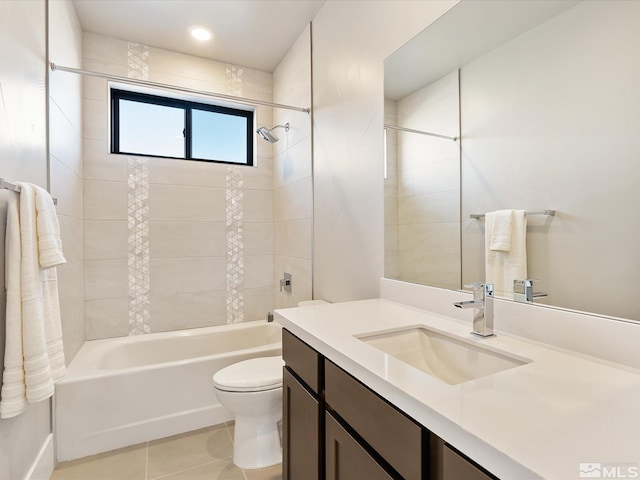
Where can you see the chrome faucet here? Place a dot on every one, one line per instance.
(523, 291)
(482, 304)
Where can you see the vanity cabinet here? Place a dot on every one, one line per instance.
(303, 411)
(346, 459)
(336, 428)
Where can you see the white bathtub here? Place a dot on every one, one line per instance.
(123, 391)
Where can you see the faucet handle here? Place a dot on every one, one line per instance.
(475, 285)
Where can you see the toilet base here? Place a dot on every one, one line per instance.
(256, 441)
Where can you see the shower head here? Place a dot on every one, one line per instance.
(268, 135)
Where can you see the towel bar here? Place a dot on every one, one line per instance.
(550, 213)
(16, 188)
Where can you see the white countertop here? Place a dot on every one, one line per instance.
(539, 420)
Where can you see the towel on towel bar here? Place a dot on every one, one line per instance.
(503, 267)
(498, 225)
(34, 354)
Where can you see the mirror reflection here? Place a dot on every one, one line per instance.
(547, 114)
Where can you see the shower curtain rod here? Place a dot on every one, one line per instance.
(410, 130)
(146, 83)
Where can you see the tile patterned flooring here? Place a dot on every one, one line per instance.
(201, 455)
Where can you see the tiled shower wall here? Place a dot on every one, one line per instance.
(391, 254)
(429, 186)
(293, 190)
(172, 244)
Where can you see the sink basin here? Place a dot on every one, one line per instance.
(451, 359)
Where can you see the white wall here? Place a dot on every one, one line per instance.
(350, 41)
(550, 120)
(293, 192)
(22, 158)
(65, 149)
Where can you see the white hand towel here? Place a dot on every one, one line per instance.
(38, 379)
(502, 268)
(498, 228)
(49, 243)
(13, 400)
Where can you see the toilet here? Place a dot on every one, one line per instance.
(252, 390)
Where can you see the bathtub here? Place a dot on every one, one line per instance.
(123, 391)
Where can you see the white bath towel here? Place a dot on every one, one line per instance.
(40, 331)
(49, 243)
(13, 397)
(503, 267)
(34, 341)
(498, 228)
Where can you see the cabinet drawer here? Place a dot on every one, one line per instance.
(302, 439)
(302, 359)
(454, 466)
(393, 435)
(346, 459)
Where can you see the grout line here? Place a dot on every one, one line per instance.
(191, 467)
(146, 465)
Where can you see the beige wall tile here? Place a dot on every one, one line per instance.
(95, 120)
(94, 88)
(186, 82)
(430, 208)
(67, 187)
(105, 200)
(171, 276)
(258, 206)
(105, 239)
(106, 279)
(258, 271)
(186, 203)
(107, 318)
(185, 172)
(258, 238)
(189, 310)
(434, 177)
(71, 234)
(294, 201)
(65, 138)
(108, 49)
(188, 66)
(71, 282)
(257, 302)
(99, 164)
(441, 238)
(293, 238)
(73, 327)
(427, 268)
(104, 66)
(300, 270)
(187, 239)
(293, 165)
(260, 177)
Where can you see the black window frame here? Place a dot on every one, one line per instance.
(188, 106)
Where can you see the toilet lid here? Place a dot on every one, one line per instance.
(253, 375)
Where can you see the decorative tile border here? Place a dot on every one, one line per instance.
(234, 217)
(235, 244)
(138, 214)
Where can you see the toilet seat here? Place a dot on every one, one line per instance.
(253, 375)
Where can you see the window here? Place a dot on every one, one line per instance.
(155, 126)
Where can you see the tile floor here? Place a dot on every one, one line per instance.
(201, 455)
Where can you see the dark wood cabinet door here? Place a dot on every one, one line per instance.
(345, 458)
(301, 431)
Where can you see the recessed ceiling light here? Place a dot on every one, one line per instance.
(200, 33)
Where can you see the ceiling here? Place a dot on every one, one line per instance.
(251, 33)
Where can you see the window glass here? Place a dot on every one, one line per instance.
(158, 126)
(149, 129)
(218, 136)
